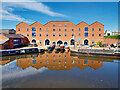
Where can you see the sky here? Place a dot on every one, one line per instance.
(12, 13)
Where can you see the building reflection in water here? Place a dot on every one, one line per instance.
(54, 61)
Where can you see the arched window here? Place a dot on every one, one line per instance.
(59, 42)
(34, 41)
(65, 43)
(47, 42)
(72, 42)
(86, 42)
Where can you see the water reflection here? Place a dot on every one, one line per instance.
(53, 61)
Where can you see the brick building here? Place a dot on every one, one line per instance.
(9, 41)
(64, 32)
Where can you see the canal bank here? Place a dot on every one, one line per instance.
(96, 52)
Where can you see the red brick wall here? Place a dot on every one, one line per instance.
(110, 40)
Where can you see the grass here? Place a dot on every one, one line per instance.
(113, 36)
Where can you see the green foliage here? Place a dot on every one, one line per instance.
(99, 43)
(113, 36)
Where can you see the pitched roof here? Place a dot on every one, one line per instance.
(58, 21)
(6, 29)
(21, 23)
(13, 35)
(3, 41)
(82, 22)
(35, 23)
(96, 22)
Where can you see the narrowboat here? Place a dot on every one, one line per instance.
(41, 50)
(57, 48)
(62, 48)
(67, 49)
(50, 48)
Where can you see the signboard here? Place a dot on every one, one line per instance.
(79, 38)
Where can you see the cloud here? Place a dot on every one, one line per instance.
(9, 16)
(7, 9)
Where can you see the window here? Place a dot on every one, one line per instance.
(33, 29)
(59, 56)
(85, 61)
(59, 29)
(18, 29)
(34, 61)
(40, 34)
(40, 56)
(53, 29)
(86, 35)
(59, 34)
(47, 62)
(47, 34)
(65, 56)
(65, 25)
(72, 29)
(53, 25)
(65, 29)
(54, 56)
(79, 29)
(86, 28)
(40, 29)
(73, 61)
(79, 34)
(65, 61)
(40, 61)
(53, 34)
(27, 34)
(99, 34)
(28, 62)
(47, 56)
(46, 29)
(79, 42)
(65, 34)
(79, 62)
(40, 41)
(92, 29)
(92, 62)
(72, 34)
(59, 62)
(54, 62)
(99, 29)
(33, 34)
(27, 29)
(92, 42)
(92, 34)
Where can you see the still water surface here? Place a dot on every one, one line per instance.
(58, 70)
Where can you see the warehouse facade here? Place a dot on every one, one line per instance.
(62, 32)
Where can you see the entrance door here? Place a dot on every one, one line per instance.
(85, 42)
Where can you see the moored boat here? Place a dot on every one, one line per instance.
(67, 49)
(50, 48)
(57, 48)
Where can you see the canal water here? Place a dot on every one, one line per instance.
(58, 70)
